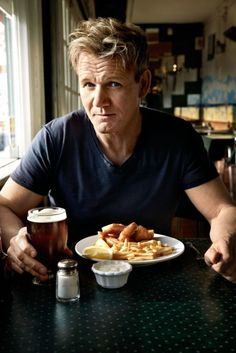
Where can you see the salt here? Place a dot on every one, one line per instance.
(67, 281)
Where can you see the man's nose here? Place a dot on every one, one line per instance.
(100, 97)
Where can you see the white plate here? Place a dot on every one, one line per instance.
(175, 243)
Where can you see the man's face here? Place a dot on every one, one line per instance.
(109, 94)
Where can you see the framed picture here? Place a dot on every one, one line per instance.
(199, 43)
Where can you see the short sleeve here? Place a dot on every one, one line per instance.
(37, 167)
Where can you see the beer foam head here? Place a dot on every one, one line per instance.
(46, 214)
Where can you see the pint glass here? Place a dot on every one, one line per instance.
(47, 232)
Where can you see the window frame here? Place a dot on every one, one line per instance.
(28, 83)
(64, 79)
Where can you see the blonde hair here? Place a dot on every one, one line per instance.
(109, 38)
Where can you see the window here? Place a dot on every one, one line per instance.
(21, 78)
(66, 95)
(7, 116)
(71, 80)
(22, 88)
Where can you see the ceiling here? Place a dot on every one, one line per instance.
(157, 11)
(170, 11)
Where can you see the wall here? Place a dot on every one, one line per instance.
(175, 62)
(219, 58)
(206, 67)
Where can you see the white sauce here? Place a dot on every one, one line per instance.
(111, 268)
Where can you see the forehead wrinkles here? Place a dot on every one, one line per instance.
(91, 65)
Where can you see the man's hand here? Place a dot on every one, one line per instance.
(221, 256)
(21, 256)
(215, 204)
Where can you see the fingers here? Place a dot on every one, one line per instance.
(212, 256)
(21, 257)
(21, 241)
(21, 267)
(221, 258)
(68, 252)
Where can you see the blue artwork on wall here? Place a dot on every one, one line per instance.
(216, 91)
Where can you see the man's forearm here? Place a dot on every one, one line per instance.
(10, 224)
(224, 223)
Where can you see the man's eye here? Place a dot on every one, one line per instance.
(88, 85)
(114, 84)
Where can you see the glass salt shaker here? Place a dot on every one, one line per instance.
(67, 281)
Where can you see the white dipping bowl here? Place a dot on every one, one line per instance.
(112, 273)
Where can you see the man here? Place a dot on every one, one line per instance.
(114, 161)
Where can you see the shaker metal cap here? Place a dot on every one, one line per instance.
(67, 263)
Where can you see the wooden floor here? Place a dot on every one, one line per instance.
(184, 227)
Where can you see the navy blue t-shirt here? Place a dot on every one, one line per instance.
(66, 163)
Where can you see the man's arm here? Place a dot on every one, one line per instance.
(15, 201)
(215, 204)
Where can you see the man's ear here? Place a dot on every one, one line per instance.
(145, 83)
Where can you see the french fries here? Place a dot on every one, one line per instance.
(122, 244)
(139, 251)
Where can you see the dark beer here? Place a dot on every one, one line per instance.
(47, 232)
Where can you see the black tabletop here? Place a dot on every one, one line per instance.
(175, 306)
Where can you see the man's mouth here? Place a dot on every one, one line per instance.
(104, 116)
